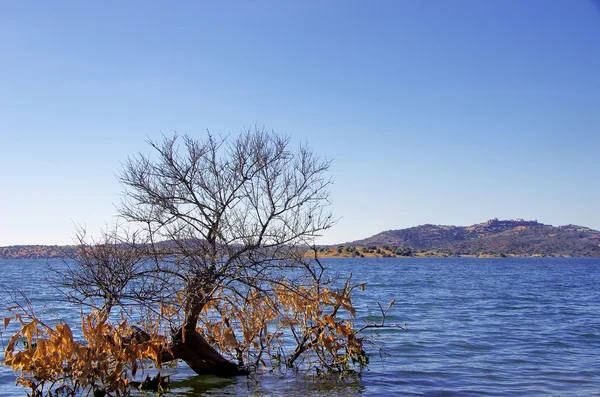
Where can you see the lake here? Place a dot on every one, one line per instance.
(476, 327)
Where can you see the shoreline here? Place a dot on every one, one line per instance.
(334, 254)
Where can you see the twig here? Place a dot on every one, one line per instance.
(383, 317)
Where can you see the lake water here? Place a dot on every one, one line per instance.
(476, 327)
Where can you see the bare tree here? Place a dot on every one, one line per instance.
(234, 212)
(225, 224)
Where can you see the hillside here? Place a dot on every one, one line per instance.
(494, 237)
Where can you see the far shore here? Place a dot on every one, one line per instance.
(338, 251)
(333, 252)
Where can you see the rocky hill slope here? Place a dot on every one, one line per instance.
(494, 237)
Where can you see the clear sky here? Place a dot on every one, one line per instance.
(445, 112)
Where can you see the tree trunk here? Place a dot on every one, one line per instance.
(191, 347)
(202, 358)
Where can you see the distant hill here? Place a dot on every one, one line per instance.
(494, 237)
(515, 237)
(37, 251)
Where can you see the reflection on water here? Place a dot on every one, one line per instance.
(265, 384)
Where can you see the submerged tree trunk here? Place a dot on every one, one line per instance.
(201, 357)
(190, 346)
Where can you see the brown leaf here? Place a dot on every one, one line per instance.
(229, 338)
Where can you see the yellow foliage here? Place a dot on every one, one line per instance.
(51, 357)
(307, 314)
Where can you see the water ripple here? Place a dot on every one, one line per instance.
(476, 327)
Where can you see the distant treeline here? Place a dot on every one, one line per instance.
(37, 251)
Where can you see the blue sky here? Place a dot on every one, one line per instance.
(445, 112)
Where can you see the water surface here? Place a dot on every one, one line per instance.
(476, 327)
